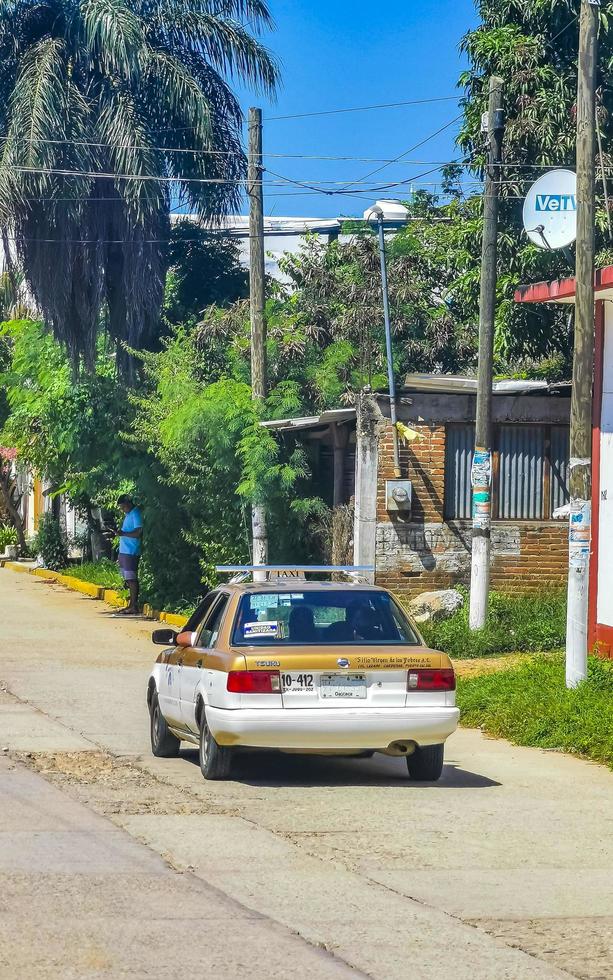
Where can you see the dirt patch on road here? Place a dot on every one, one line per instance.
(114, 785)
(581, 946)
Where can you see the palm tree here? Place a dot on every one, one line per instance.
(112, 111)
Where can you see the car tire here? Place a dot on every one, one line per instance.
(164, 744)
(426, 764)
(215, 759)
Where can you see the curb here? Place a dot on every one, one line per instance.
(110, 596)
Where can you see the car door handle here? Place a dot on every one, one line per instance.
(180, 662)
(199, 663)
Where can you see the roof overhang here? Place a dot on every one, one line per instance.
(563, 290)
(337, 415)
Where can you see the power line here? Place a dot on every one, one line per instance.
(411, 149)
(362, 108)
(127, 146)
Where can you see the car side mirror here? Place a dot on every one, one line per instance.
(164, 638)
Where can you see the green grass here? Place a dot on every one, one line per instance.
(516, 623)
(104, 572)
(530, 705)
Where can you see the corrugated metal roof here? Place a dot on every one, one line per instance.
(455, 384)
(311, 421)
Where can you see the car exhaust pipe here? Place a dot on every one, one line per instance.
(400, 748)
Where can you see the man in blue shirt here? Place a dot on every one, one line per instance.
(130, 546)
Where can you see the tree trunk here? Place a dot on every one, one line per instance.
(11, 508)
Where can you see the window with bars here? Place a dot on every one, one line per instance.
(529, 471)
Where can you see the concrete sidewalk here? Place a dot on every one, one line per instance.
(81, 898)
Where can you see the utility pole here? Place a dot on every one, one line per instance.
(388, 338)
(481, 474)
(258, 323)
(583, 357)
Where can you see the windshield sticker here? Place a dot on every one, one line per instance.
(266, 628)
(266, 601)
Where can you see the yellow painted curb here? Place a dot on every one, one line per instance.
(15, 566)
(45, 573)
(78, 585)
(173, 620)
(112, 598)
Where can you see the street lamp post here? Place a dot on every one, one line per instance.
(390, 214)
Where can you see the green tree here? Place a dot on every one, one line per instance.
(61, 426)
(532, 45)
(204, 270)
(109, 111)
(204, 458)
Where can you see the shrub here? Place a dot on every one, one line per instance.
(530, 705)
(8, 536)
(51, 543)
(522, 623)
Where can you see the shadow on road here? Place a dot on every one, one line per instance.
(279, 769)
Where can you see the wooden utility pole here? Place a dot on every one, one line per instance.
(583, 358)
(258, 323)
(481, 475)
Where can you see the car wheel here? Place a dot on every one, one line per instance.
(215, 759)
(164, 744)
(426, 764)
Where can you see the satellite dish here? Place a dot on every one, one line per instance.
(550, 210)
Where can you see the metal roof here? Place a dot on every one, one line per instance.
(311, 421)
(456, 384)
(237, 225)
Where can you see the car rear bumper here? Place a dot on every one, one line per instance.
(327, 728)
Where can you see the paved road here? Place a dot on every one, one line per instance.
(297, 867)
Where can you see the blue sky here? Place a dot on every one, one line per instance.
(349, 53)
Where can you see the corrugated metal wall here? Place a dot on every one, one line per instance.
(520, 485)
(520, 488)
(458, 461)
(560, 450)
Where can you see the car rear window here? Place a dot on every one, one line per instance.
(320, 618)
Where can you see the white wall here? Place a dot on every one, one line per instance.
(604, 612)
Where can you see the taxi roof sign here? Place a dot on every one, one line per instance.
(293, 571)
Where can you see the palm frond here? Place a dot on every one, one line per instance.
(225, 44)
(181, 96)
(113, 35)
(126, 148)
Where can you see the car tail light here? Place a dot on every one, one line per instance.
(254, 682)
(431, 679)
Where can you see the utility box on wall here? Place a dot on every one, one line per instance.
(399, 496)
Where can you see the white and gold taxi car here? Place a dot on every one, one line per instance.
(293, 665)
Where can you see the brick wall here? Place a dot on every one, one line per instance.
(426, 552)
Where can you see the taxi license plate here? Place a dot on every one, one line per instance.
(295, 683)
(343, 686)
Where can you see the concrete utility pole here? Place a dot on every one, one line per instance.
(583, 359)
(258, 323)
(388, 338)
(481, 475)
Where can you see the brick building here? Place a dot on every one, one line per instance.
(425, 542)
